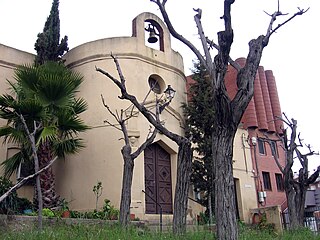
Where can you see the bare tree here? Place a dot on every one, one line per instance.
(228, 112)
(128, 158)
(295, 187)
(184, 151)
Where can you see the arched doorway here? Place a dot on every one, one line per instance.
(158, 186)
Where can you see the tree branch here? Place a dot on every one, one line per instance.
(108, 108)
(148, 141)
(175, 34)
(122, 78)
(209, 66)
(141, 108)
(276, 158)
(24, 180)
(313, 177)
(125, 132)
(274, 16)
(233, 63)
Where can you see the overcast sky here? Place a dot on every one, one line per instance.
(291, 53)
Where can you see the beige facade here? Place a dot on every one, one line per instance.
(101, 160)
(243, 175)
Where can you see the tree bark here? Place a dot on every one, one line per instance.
(182, 187)
(126, 187)
(225, 207)
(296, 196)
(39, 193)
(47, 178)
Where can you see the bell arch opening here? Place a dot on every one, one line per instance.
(154, 35)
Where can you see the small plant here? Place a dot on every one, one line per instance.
(263, 225)
(136, 219)
(97, 190)
(203, 218)
(110, 211)
(23, 204)
(64, 204)
(46, 212)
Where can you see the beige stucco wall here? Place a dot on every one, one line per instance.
(10, 58)
(101, 160)
(242, 172)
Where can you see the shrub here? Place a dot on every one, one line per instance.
(46, 212)
(109, 212)
(10, 203)
(23, 204)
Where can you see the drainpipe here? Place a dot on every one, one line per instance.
(244, 151)
(254, 144)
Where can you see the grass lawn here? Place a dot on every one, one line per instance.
(79, 232)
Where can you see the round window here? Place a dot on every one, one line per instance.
(156, 83)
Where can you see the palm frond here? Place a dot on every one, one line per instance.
(12, 164)
(12, 135)
(45, 94)
(79, 106)
(27, 77)
(71, 124)
(68, 146)
(7, 101)
(48, 133)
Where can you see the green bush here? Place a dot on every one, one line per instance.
(46, 212)
(10, 203)
(23, 204)
(109, 212)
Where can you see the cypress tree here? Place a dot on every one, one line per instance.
(47, 45)
(199, 115)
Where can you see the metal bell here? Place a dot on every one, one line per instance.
(152, 36)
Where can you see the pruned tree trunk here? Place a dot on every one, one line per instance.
(126, 187)
(182, 187)
(222, 147)
(296, 200)
(128, 159)
(296, 197)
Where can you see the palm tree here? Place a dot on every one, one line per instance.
(45, 94)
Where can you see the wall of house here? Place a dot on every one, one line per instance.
(101, 160)
(244, 178)
(266, 163)
(10, 58)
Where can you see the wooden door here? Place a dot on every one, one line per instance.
(157, 166)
